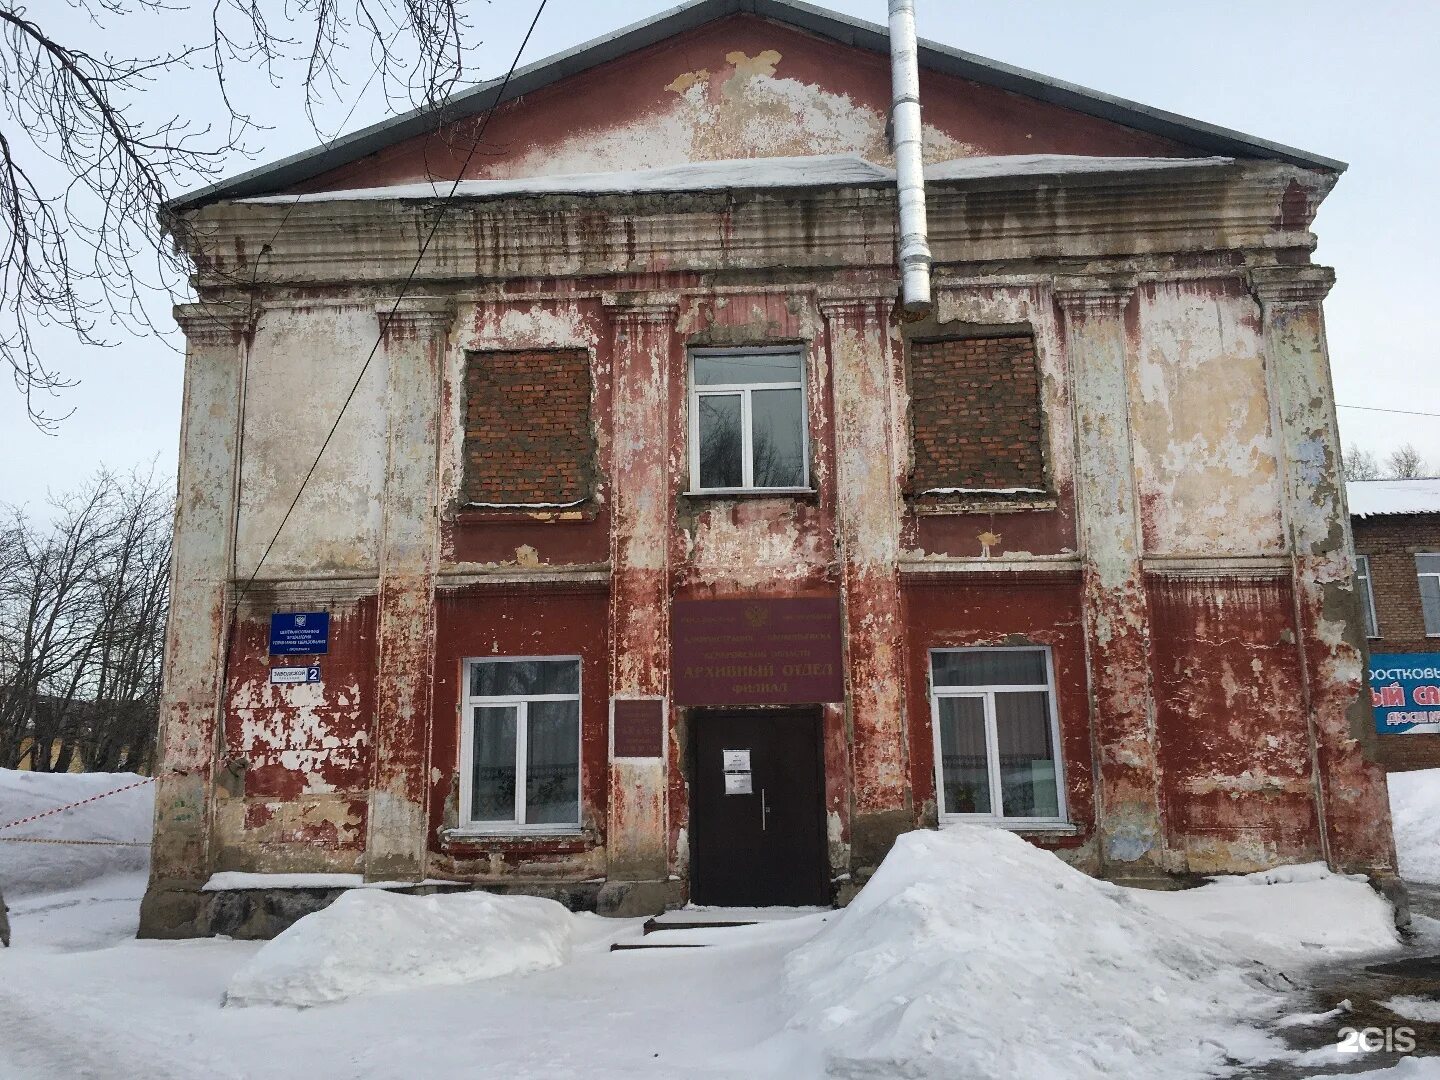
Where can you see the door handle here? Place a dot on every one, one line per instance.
(764, 811)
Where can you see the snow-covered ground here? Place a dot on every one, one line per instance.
(970, 954)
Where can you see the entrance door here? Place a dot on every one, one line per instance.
(758, 838)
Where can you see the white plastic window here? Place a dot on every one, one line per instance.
(520, 745)
(996, 736)
(747, 421)
(1427, 567)
(1367, 595)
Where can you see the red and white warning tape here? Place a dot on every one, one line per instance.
(71, 806)
(47, 840)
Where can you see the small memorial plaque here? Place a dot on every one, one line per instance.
(639, 728)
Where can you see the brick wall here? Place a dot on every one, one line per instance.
(527, 427)
(975, 407)
(1392, 541)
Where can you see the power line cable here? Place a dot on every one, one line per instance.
(400, 296)
(1376, 408)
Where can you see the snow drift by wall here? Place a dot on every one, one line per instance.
(972, 953)
(370, 941)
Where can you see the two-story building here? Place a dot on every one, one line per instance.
(654, 555)
(1396, 525)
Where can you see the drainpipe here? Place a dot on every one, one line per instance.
(909, 162)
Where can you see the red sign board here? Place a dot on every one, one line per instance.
(756, 652)
(639, 728)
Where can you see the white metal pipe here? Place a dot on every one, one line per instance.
(909, 159)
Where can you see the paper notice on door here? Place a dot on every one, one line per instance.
(738, 783)
(737, 760)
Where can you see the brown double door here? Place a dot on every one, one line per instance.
(757, 834)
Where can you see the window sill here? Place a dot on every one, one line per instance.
(570, 840)
(753, 493)
(490, 515)
(1049, 828)
(980, 504)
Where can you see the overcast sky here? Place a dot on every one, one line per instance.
(1347, 80)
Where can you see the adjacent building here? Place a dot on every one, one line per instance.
(1396, 525)
(655, 557)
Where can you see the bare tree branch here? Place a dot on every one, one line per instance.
(85, 170)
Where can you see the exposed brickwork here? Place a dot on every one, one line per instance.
(975, 404)
(527, 427)
(1392, 541)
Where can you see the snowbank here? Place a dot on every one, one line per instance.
(1415, 811)
(369, 941)
(972, 953)
(1286, 915)
(32, 868)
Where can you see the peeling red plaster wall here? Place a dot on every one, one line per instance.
(1231, 724)
(301, 754)
(520, 620)
(1003, 608)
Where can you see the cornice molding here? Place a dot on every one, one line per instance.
(215, 323)
(1094, 295)
(416, 315)
(639, 310)
(1306, 284)
(370, 243)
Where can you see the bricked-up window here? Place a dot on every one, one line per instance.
(975, 404)
(528, 440)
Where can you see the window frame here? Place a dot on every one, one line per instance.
(1363, 572)
(1420, 574)
(468, 702)
(1061, 820)
(695, 392)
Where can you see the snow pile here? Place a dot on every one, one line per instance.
(127, 817)
(1422, 1010)
(1415, 811)
(369, 941)
(972, 953)
(1286, 915)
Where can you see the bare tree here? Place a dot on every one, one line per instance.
(83, 600)
(1404, 463)
(85, 172)
(1359, 464)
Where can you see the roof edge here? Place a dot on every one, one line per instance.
(845, 29)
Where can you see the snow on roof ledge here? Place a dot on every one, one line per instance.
(977, 168)
(832, 170)
(1372, 498)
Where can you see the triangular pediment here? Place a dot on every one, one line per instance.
(725, 79)
(739, 87)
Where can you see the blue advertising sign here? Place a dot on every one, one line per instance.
(299, 632)
(1405, 692)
